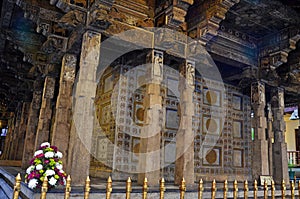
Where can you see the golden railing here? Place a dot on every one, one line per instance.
(182, 189)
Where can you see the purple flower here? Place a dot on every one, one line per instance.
(46, 161)
(40, 155)
(54, 148)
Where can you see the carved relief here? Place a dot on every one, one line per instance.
(91, 43)
(258, 93)
(49, 87)
(69, 67)
(36, 100)
(54, 43)
(56, 29)
(72, 18)
(157, 64)
(43, 28)
(190, 73)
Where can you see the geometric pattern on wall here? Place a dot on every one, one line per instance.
(212, 156)
(238, 158)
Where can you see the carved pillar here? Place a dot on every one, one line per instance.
(18, 153)
(15, 134)
(280, 161)
(270, 137)
(184, 165)
(44, 123)
(83, 109)
(31, 127)
(149, 158)
(63, 114)
(260, 163)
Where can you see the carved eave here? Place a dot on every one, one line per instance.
(208, 26)
(173, 14)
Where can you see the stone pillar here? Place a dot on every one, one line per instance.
(83, 109)
(63, 114)
(260, 160)
(280, 161)
(22, 131)
(270, 137)
(184, 165)
(31, 127)
(149, 157)
(43, 128)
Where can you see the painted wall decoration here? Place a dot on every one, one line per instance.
(212, 156)
(212, 97)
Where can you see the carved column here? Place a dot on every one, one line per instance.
(270, 137)
(260, 160)
(149, 158)
(184, 165)
(43, 129)
(18, 153)
(63, 114)
(31, 127)
(280, 161)
(83, 109)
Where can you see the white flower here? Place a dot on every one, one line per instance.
(32, 183)
(38, 152)
(49, 154)
(65, 182)
(58, 166)
(39, 167)
(47, 144)
(58, 154)
(52, 181)
(29, 169)
(50, 172)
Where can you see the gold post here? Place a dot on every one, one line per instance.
(145, 188)
(68, 187)
(283, 189)
(182, 188)
(246, 189)
(255, 189)
(235, 189)
(44, 188)
(162, 188)
(17, 187)
(87, 188)
(265, 189)
(225, 189)
(200, 189)
(108, 188)
(292, 189)
(213, 189)
(273, 189)
(128, 188)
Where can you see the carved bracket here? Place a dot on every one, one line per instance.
(214, 16)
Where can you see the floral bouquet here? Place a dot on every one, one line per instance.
(45, 163)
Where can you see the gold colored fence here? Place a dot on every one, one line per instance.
(182, 189)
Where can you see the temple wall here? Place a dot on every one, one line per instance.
(220, 153)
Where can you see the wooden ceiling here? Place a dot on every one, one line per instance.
(263, 25)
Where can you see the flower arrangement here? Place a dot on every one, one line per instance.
(45, 163)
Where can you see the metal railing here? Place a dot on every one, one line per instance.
(182, 189)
